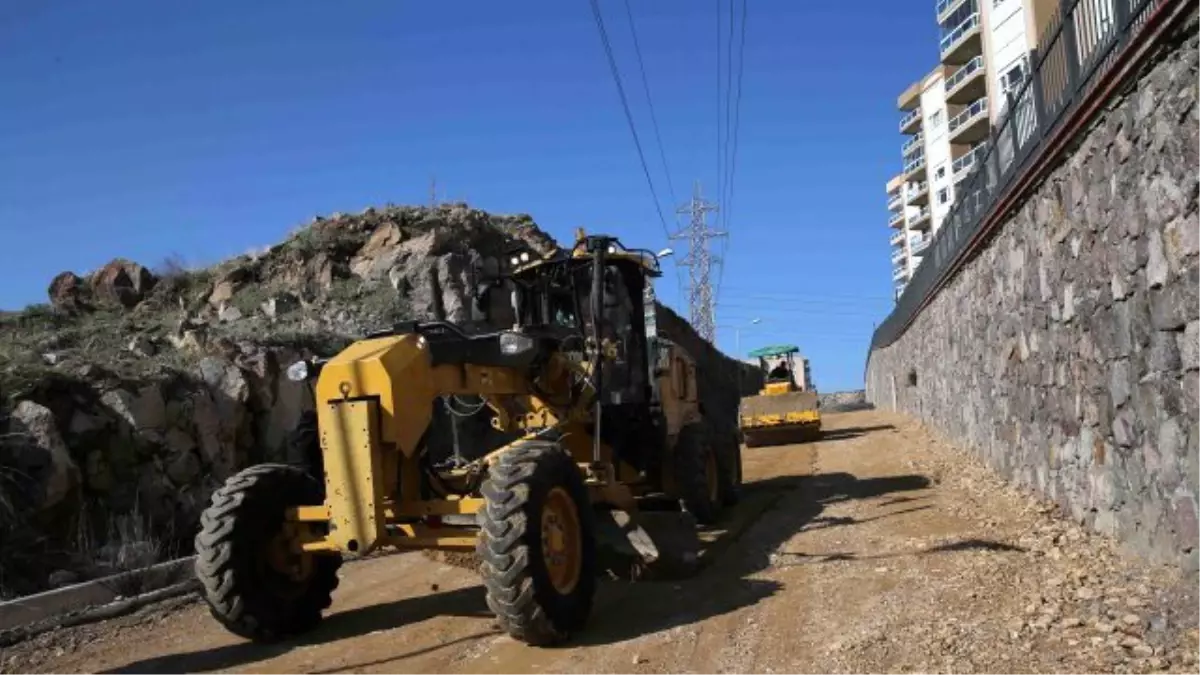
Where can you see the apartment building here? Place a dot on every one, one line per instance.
(947, 115)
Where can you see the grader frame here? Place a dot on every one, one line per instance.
(585, 446)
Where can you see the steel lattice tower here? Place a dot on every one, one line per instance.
(699, 260)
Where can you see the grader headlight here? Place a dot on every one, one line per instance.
(512, 343)
(298, 371)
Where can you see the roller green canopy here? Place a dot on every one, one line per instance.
(774, 350)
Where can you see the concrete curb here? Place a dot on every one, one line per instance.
(94, 600)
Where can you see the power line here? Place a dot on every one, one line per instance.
(612, 65)
(720, 143)
(724, 216)
(662, 154)
(749, 292)
(737, 110)
(737, 118)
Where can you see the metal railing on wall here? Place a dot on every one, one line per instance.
(1075, 50)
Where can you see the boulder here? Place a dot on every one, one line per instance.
(122, 282)
(379, 253)
(281, 304)
(68, 292)
(36, 448)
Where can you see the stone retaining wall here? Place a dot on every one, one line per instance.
(1066, 353)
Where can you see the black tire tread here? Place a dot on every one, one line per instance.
(691, 454)
(504, 546)
(233, 599)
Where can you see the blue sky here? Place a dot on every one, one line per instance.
(204, 129)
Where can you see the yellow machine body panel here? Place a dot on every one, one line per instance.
(776, 388)
(397, 371)
(774, 418)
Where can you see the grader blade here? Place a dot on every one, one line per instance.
(652, 545)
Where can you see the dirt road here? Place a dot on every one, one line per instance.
(876, 549)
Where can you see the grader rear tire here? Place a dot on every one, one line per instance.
(242, 546)
(698, 473)
(537, 543)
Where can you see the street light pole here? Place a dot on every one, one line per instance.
(737, 337)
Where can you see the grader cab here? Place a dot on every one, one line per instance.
(599, 420)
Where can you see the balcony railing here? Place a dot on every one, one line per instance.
(918, 245)
(912, 144)
(967, 114)
(921, 216)
(908, 119)
(895, 200)
(896, 219)
(1074, 53)
(966, 71)
(960, 31)
(898, 256)
(914, 165)
(965, 163)
(899, 273)
(917, 191)
(944, 7)
(896, 239)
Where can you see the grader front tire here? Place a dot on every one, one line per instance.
(537, 544)
(253, 584)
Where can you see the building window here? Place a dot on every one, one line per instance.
(935, 119)
(943, 196)
(1013, 78)
(940, 173)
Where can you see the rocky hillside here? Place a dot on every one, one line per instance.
(134, 393)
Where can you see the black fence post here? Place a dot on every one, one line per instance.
(1071, 55)
(1014, 128)
(1120, 17)
(1039, 94)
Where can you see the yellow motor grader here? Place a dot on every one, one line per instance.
(599, 419)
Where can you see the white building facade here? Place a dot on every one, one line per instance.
(983, 53)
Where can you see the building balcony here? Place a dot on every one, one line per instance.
(918, 245)
(896, 219)
(898, 256)
(962, 166)
(911, 123)
(899, 273)
(963, 43)
(971, 124)
(920, 220)
(913, 144)
(918, 194)
(968, 83)
(946, 7)
(914, 169)
(911, 98)
(895, 200)
(897, 239)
